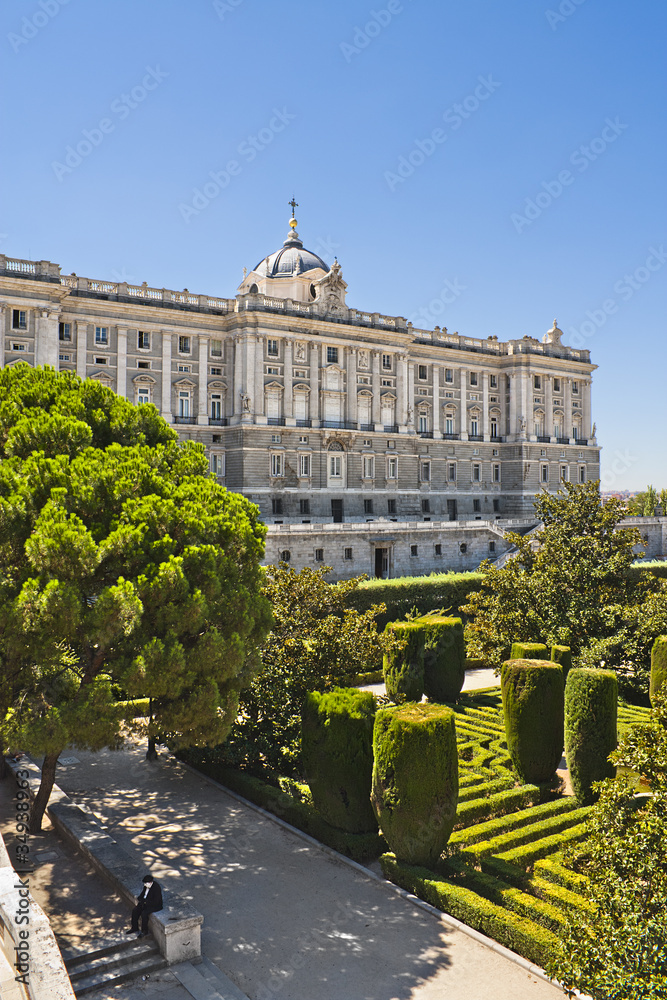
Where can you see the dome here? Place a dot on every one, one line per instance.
(291, 259)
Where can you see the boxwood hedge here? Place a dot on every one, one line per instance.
(533, 706)
(403, 664)
(529, 651)
(425, 593)
(591, 698)
(444, 656)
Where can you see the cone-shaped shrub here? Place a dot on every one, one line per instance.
(533, 705)
(658, 665)
(562, 655)
(403, 667)
(529, 651)
(337, 751)
(415, 780)
(591, 699)
(444, 657)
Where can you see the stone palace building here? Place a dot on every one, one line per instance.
(367, 443)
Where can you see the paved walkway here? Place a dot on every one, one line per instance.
(281, 917)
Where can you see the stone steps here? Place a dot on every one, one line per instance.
(113, 964)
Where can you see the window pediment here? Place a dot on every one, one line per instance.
(217, 385)
(143, 378)
(387, 397)
(301, 387)
(273, 387)
(185, 383)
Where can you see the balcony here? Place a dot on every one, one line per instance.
(185, 420)
(544, 438)
(562, 440)
(475, 437)
(425, 434)
(303, 422)
(581, 441)
(275, 421)
(390, 428)
(218, 421)
(451, 437)
(344, 425)
(497, 437)
(366, 427)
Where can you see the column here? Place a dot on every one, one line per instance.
(437, 404)
(586, 418)
(256, 379)
(526, 405)
(402, 393)
(202, 389)
(166, 376)
(411, 398)
(548, 406)
(485, 406)
(4, 322)
(351, 387)
(81, 348)
(567, 408)
(46, 338)
(463, 408)
(288, 399)
(121, 358)
(512, 429)
(376, 413)
(314, 386)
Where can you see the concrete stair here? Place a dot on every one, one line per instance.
(115, 963)
(205, 981)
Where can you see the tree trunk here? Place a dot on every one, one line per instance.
(151, 753)
(3, 766)
(44, 792)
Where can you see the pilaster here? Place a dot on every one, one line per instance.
(314, 394)
(121, 361)
(202, 388)
(376, 412)
(81, 348)
(166, 376)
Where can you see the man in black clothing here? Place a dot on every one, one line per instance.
(149, 901)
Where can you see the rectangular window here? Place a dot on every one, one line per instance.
(19, 319)
(386, 362)
(215, 371)
(426, 506)
(335, 466)
(271, 370)
(476, 472)
(143, 364)
(413, 551)
(493, 381)
(368, 467)
(391, 506)
(183, 345)
(423, 372)
(438, 549)
(101, 361)
(184, 368)
(347, 553)
(425, 472)
(392, 468)
(582, 474)
(474, 426)
(332, 355)
(64, 331)
(451, 472)
(563, 472)
(537, 381)
(101, 334)
(276, 465)
(143, 340)
(496, 506)
(449, 375)
(216, 348)
(494, 427)
(276, 505)
(319, 555)
(216, 406)
(473, 378)
(64, 357)
(143, 394)
(476, 506)
(22, 347)
(304, 470)
(492, 546)
(303, 439)
(368, 506)
(272, 348)
(556, 385)
(275, 439)
(304, 506)
(449, 423)
(217, 464)
(422, 423)
(544, 473)
(496, 473)
(575, 388)
(184, 403)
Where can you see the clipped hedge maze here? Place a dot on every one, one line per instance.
(503, 873)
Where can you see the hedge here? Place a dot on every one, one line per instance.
(529, 651)
(444, 657)
(415, 779)
(526, 854)
(559, 895)
(530, 834)
(553, 870)
(403, 665)
(533, 706)
(505, 824)
(562, 655)
(658, 665)
(524, 936)
(591, 698)
(497, 805)
(337, 754)
(425, 593)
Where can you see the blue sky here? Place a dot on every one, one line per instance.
(515, 151)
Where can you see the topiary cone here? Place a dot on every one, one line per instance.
(591, 702)
(444, 657)
(403, 669)
(658, 666)
(533, 705)
(415, 780)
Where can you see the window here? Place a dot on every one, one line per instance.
(217, 464)
(563, 472)
(101, 361)
(426, 506)
(474, 426)
(386, 362)
(364, 380)
(390, 444)
(215, 371)
(64, 357)
(476, 472)
(413, 551)
(496, 506)
(463, 548)
(304, 471)
(422, 423)
(285, 555)
(368, 506)
(496, 473)
(451, 472)
(335, 466)
(367, 442)
(143, 364)
(183, 345)
(300, 373)
(216, 348)
(276, 505)
(425, 472)
(476, 506)
(423, 372)
(537, 381)
(449, 375)
(387, 381)
(272, 348)
(22, 347)
(303, 439)
(143, 394)
(437, 548)
(64, 331)
(332, 355)
(392, 468)
(319, 555)
(391, 506)
(575, 388)
(143, 340)
(495, 452)
(217, 438)
(544, 473)
(272, 370)
(473, 378)
(304, 506)
(184, 368)
(493, 381)
(184, 403)
(582, 474)
(347, 553)
(575, 432)
(101, 334)
(494, 427)
(276, 465)
(492, 546)
(216, 406)
(368, 467)
(275, 439)
(19, 319)
(556, 385)
(449, 423)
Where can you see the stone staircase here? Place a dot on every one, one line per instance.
(115, 963)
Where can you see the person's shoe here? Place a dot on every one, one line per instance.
(131, 931)
(141, 934)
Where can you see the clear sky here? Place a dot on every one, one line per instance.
(478, 165)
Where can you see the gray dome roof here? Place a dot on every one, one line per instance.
(292, 258)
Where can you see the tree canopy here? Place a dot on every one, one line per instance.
(648, 503)
(123, 563)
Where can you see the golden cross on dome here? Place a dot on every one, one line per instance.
(294, 204)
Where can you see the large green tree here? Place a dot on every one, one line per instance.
(572, 583)
(123, 562)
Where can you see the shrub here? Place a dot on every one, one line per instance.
(533, 705)
(444, 656)
(403, 663)
(562, 655)
(591, 697)
(442, 590)
(529, 651)
(415, 779)
(337, 753)
(658, 665)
